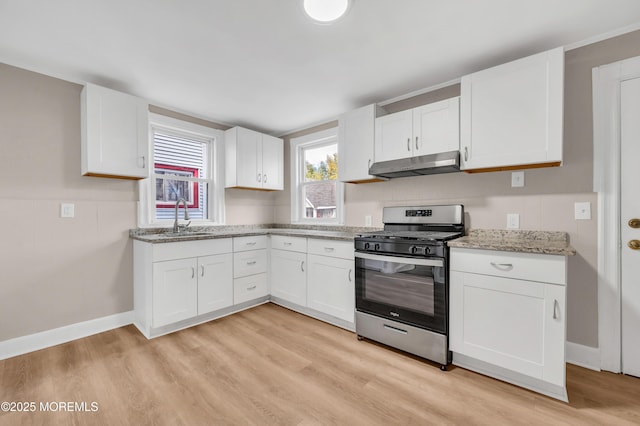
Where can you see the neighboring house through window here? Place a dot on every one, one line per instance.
(187, 164)
(317, 195)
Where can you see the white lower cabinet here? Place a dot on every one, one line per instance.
(175, 282)
(213, 270)
(289, 276)
(330, 287)
(175, 291)
(503, 323)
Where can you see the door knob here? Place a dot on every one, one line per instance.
(634, 223)
(634, 244)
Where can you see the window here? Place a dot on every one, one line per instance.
(317, 195)
(186, 166)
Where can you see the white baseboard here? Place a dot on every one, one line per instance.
(583, 356)
(33, 342)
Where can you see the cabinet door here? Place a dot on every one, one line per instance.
(249, 158)
(272, 163)
(393, 136)
(356, 144)
(289, 276)
(509, 323)
(330, 286)
(175, 291)
(436, 127)
(512, 114)
(114, 134)
(215, 282)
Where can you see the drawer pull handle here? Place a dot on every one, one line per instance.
(253, 262)
(396, 330)
(502, 266)
(202, 270)
(287, 243)
(302, 266)
(251, 243)
(193, 272)
(329, 249)
(253, 287)
(350, 270)
(408, 144)
(556, 308)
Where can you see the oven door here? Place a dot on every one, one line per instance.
(404, 289)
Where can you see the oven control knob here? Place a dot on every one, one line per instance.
(377, 247)
(413, 249)
(366, 246)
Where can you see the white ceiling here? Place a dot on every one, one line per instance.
(262, 64)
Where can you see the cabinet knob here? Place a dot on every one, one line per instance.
(634, 223)
(634, 244)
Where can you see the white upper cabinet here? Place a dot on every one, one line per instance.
(393, 136)
(115, 141)
(428, 129)
(512, 114)
(355, 144)
(253, 160)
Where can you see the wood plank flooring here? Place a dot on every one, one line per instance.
(269, 365)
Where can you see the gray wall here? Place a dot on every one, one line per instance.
(545, 203)
(57, 272)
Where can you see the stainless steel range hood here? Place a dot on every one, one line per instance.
(443, 162)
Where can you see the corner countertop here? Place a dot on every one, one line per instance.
(520, 241)
(164, 235)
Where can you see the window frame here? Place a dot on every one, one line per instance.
(215, 180)
(320, 138)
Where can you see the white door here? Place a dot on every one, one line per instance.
(630, 210)
(175, 291)
(393, 136)
(215, 282)
(436, 127)
(249, 157)
(289, 276)
(330, 287)
(272, 159)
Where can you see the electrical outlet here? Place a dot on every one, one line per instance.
(367, 220)
(582, 211)
(517, 179)
(67, 210)
(513, 221)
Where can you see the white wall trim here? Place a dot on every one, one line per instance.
(45, 339)
(606, 182)
(583, 356)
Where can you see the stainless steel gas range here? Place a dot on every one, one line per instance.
(402, 280)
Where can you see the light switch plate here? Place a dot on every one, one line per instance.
(517, 179)
(582, 211)
(513, 221)
(67, 210)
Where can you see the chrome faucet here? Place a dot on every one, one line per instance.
(177, 227)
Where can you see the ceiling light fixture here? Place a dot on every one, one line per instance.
(326, 11)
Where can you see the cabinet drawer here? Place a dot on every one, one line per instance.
(524, 266)
(255, 242)
(185, 249)
(281, 242)
(342, 249)
(249, 263)
(249, 288)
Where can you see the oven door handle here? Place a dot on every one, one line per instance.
(438, 262)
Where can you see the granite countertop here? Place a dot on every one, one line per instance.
(164, 235)
(521, 241)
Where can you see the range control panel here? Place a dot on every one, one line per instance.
(418, 213)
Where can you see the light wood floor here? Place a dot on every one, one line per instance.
(269, 365)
